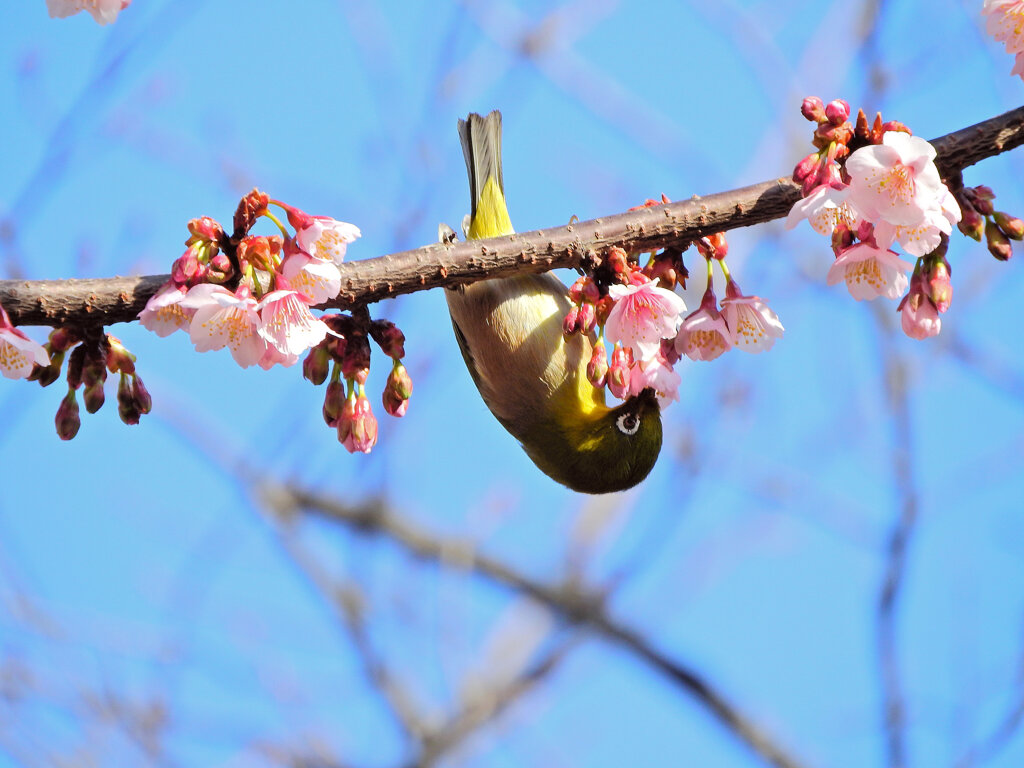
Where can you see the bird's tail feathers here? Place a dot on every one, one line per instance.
(481, 146)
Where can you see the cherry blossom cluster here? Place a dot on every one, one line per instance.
(344, 357)
(872, 187)
(638, 312)
(253, 293)
(92, 354)
(1005, 22)
(103, 11)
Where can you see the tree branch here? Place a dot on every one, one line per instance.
(106, 301)
(573, 604)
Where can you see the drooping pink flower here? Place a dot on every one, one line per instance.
(920, 317)
(643, 315)
(753, 324)
(870, 271)
(225, 319)
(164, 314)
(273, 356)
(924, 237)
(323, 237)
(287, 324)
(1006, 24)
(824, 208)
(103, 11)
(704, 334)
(319, 280)
(658, 374)
(895, 181)
(18, 353)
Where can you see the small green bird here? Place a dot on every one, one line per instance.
(530, 375)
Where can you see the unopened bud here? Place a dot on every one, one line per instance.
(75, 363)
(397, 391)
(68, 420)
(334, 403)
(939, 287)
(1011, 226)
(807, 167)
(813, 109)
(62, 339)
(618, 372)
(998, 243)
(356, 361)
(971, 222)
(570, 323)
(603, 309)
(597, 368)
(837, 112)
(205, 228)
(127, 410)
(317, 365)
(119, 359)
(143, 400)
(186, 267)
(587, 318)
(47, 374)
(389, 338)
(93, 397)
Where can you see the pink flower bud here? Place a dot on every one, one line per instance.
(75, 363)
(837, 112)
(920, 319)
(317, 365)
(597, 368)
(984, 205)
(127, 409)
(205, 228)
(807, 167)
(576, 290)
(397, 391)
(619, 371)
(940, 289)
(357, 427)
(1010, 226)
(813, 109)
(63, 339)
(67, 420)
(998, 244)
(185, 267)
(119, 359)
(971, 222)
(587, 318)
(47, 374)
(334, 403)
(570, 323)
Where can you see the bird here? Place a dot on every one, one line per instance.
(531, 376)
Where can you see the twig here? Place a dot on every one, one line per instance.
(115, 300)
(572, 604)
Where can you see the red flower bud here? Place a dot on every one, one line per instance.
(570, 323)
(67, 420)
(334, 403)
(389, 338)
(971, 222)
(597, 368)
(940, 289)
(317, 365)
(813, 109)
(837, 112)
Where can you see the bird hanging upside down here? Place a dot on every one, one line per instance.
(534, 379)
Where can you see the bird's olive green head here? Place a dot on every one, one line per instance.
(609, 449)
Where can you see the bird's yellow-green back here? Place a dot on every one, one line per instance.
(531, 377)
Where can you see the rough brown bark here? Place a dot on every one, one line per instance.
(119, 299)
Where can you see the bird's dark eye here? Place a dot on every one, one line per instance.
(628, 423)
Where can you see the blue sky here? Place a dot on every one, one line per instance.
(139, 563)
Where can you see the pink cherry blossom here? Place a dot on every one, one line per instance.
(704, 334)
(924, 237)
(1006, 24)
(870, 271)
(18, 353)
(287, 324)
(753, 324)
(225, 319)
(895, 181)
(824, 209)
(643, 315)
(273, 356)
(325, 238)
(658, 374)
(317, 279)
(103, 11)
(163, 313)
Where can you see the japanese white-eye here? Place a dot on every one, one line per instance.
(534, 379)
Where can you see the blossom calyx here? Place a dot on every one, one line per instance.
(250, 208)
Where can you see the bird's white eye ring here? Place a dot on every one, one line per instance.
(628, 423)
